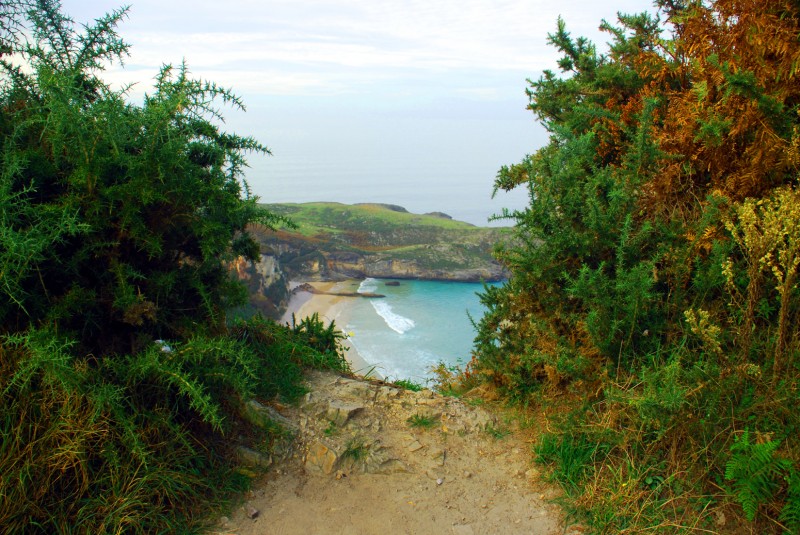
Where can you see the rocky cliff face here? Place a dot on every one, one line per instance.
(266, 282)
(353, 265)
(302, 261)
(334, 242)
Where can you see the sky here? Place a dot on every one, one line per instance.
(415, 102)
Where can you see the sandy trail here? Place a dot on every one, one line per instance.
(464, 473)
(358, 466)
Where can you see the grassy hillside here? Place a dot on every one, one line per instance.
(426, 246)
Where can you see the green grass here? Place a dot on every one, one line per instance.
(325, 216)
(356, 450)
(408, 385)
(419, 420)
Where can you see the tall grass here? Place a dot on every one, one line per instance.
(138, 444)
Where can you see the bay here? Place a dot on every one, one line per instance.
(418, 325)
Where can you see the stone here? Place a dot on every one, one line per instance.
(253, 458)
(433, 475)
(340, 412)
(265, 417)
(427, 392)
(385, 393)
(321, 457)
(415, 446)
(392, 466)
(251, 511)
(356, 390)
(481, 420)
(439, 456)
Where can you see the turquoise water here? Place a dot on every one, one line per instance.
(416, 326)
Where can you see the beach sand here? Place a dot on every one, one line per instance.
(330, 308)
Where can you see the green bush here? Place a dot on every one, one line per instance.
(654, 272)
(119, 376)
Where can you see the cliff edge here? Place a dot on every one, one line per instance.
(335, 241)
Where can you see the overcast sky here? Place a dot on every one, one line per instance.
(415, 102)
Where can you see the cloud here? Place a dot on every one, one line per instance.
(351, 46)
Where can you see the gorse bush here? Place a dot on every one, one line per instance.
(654, 272)
(117, 217)
(119, 373)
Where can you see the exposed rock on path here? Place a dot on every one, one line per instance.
(375, 459)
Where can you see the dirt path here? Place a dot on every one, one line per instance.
(360, 466)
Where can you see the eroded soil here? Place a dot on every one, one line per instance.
(370, 458)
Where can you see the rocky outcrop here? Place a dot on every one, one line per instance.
(300, 260)
(338, 242)
(369, 457)
(350, 425)
(267, 284)
(335, 241)
(351, 265)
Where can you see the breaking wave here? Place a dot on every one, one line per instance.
(396, 322)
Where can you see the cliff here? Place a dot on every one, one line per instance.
(266, 283)
(336, 241)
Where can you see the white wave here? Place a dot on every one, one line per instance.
(396, 322)
(368, 285)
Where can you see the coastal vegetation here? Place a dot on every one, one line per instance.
(121, 379)
(651, 311)
(653, 303)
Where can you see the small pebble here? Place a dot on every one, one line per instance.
(439, 481)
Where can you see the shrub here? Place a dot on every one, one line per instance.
(119, 375)
(655, 268)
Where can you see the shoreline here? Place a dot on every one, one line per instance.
(330, 308)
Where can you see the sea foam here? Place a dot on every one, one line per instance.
(396, 322)
(368, 286)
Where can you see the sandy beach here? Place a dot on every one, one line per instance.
(334, 308)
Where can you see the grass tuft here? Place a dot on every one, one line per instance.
(419, 420)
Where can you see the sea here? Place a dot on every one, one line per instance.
(418, 325)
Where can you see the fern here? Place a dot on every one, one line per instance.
(754, 471)
(790, 514)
